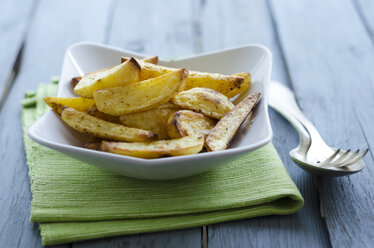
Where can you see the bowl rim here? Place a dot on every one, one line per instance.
(158, 161)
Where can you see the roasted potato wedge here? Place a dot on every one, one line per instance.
(151, 60)
(227, 85)
(75, 81)
(120, 75)
(221, 135)
(92, 145)
(161, 148)
(243, 87)
(95, 112)
(140, 96)
(77, 103)
(153, 120)
(188, 123)
(204, 100)
(85, 123)
(219, 82)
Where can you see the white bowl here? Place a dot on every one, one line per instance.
(81, 58)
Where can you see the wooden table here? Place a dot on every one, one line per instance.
(322, 49)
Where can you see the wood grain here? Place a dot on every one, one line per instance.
(241, 22)
(56, 25)
(164, 28)
(365, 8)
(13, 26)
(180, 239)
(330, 57)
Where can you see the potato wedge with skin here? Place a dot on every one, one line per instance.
(221, 135)
(243, 87)
(75, 81)
(120, 75)
(188, 123)
(93, 111)
(151, 60)
(219, 82)
(85, 123)
(77, 103)
(156, 149)
(92, 145)
(204, 100)
(140, 96)
(153, 120)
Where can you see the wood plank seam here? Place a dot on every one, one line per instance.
(279, 43)
(13, 73)
(363, 19)
(364, 134)
(11, 76)
(342, 199)
(204, 237)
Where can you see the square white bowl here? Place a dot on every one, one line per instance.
(50, 131)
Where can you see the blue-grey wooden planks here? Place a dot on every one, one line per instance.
(240, 22)
(330, 57)
(14, 21)
(56, 25)
(164, 28)
(365, 9)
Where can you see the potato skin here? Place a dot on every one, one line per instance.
(203, 100)
(156, 149)
(224, 84)
(151, 60)
(221, 135)
(123, 74)
(85, 123)
(153, 120)
(140, 96)
(188, 123)
(92, 145)
(78, 103)
(246, 85)
(75, 81)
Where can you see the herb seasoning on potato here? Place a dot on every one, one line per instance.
(145, 110)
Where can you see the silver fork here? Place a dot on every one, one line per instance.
(313, 154)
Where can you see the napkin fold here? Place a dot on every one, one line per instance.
(75, 201)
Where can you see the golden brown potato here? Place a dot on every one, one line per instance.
(92, 145)
(219, 82)
(221, 135)
(188, 123)
(95, 112)
(139, 96)
(85, 123)
(75, 81)
(156, 149)
(224, 84)
(151, 60)
(243, 87)
(153, 120)
(120, 75)
(203, 100)
(77, 103)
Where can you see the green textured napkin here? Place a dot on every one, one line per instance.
(74, 201)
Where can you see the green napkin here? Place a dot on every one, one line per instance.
(74, 201)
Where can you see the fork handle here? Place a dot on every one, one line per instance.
(284, 98)
(283, 101)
